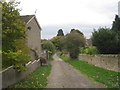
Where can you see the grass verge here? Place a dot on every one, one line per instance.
(51, 59)
(38, 79)
(107, 77)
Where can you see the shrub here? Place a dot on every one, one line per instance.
(59, 53)
(57, 42)
(82, 50)
(91, 50)
(49, 47)
(17, 59)
(106, 41)
(74, 52)
(72, 42)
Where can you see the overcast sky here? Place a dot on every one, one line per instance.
(84, 15)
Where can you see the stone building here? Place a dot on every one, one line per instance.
(33, 38)
(88, 43)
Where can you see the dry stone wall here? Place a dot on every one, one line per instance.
(110, 62)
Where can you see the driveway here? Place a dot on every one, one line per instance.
(64, 75)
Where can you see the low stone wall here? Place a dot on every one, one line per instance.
(110, 62)
(66, 55)
(11, 76)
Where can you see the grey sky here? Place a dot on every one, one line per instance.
(67, 14)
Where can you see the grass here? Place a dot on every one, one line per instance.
(51, 59)
(38, 79)
(106, 77)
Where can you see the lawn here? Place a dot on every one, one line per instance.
(106, 77)
(38, 79)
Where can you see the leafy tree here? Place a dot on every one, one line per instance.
(116, 24)
(42, 40)
(116, 28)
(105, 40)
(14, 50)
(57, 42)
(60, 32)
(76, 31)
(12, 26)
(48, 46)
(72, 42)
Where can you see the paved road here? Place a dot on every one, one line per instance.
(65, 76)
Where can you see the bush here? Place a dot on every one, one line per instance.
(21, 45)
(57, 42)
(72, 42)
(82, 50)
(106, 41)
(59, 53)
(49, 47)
(91, 50)
(74, 52)
(17, 59)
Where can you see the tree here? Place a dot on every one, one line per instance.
(116, 24)
(57, 42)
(76, 31)
(12, 26)
(72, 42)
(48, 46)
(60, 32)
(105, 40)
(14, 50)
(116, 28)
(0, 34)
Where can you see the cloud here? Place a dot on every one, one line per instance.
(51, 31)
(66, 14)
(47, 36)
(55, 12)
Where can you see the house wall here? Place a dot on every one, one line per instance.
(34, 38)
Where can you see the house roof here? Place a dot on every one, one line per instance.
(28, 18)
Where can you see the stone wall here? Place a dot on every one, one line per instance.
(11, 76)
(110, 62)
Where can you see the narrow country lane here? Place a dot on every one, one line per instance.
(65, 76)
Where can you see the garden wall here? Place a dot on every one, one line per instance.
(11, 76)
(110, 62)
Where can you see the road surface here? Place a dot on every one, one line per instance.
(64, 75)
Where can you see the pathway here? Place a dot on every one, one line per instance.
(65, 76)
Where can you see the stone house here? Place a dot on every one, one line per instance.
(33, 38)
(88, 43)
